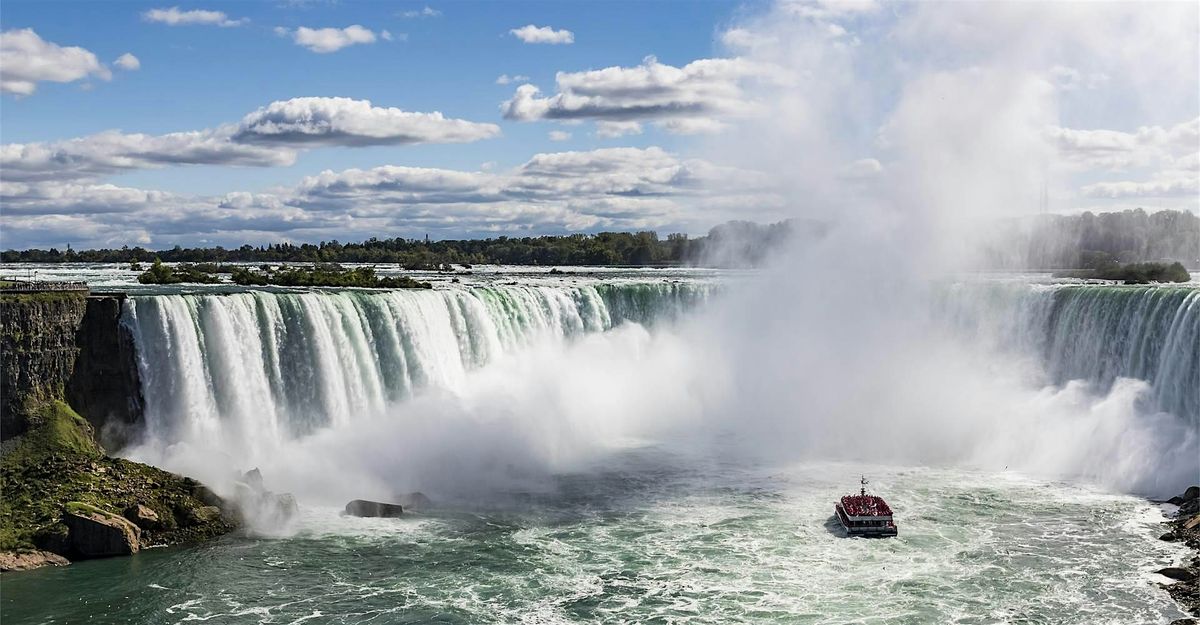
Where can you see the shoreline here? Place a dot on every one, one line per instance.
(1184, 526)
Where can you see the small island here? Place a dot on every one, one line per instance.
(326, 274)
(1104, 267)
(158, 273)
(322, 274)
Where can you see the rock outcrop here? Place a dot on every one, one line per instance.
(1185, 527)
(364, 508)
(37, 350)
(96, 533)
(55, 477)
(72, 346)
(261, 508)
(32, 559)
(61, 493)
(142, 516)
(104, 385)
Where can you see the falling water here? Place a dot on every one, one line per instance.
(1094, 333)
(263, 366)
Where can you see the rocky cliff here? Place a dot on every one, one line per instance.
(67, 344)
(62, 353)
(37, 350)
(104, 386)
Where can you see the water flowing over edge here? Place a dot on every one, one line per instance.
(248, 372)
(1094, 333)
(263, 366)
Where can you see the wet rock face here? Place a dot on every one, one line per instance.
(70, 345)
(37, 350)
(104, 385)
(364, 508)
(96, 533)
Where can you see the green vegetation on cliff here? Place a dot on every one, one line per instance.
(56, 465)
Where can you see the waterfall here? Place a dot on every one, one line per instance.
(264, 366)
(1096, 333)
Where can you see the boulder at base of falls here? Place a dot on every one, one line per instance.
(1191, 494)
(1177, 573)
(258, 506)
(56, 464)
(96, 533)
(25, 560)
(364, 508)
(143, 517)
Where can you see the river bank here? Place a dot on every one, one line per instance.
(1185, 528)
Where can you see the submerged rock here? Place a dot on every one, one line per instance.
(96, 533)
(25, 560)
(364, 508)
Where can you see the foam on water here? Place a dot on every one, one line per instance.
(684, 541)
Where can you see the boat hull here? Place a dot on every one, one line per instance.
(865, 528)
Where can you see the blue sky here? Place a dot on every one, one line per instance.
(230, 122)
(201, 76)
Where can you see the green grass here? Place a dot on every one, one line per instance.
(41, 296)
(57, 466)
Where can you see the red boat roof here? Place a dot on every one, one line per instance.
(865, 505)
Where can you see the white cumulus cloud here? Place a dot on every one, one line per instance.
(326, 40)
(693, 96)
(128, 61)
(26, 59)
(543, 34)
(345, 121)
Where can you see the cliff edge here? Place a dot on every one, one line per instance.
(64, 498)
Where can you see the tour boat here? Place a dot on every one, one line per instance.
(865, 515)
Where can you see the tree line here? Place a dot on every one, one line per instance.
(748, 242)
(1091, 239)
(1047, 242)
